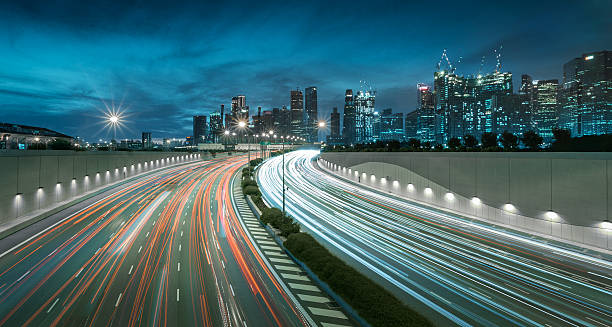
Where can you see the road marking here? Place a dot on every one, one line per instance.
(312, 298)
(98, 250)
(304, 287)
(177, 294)
(147, 235)
(232, 289)
(268, 247)
(50, 254)
(154, 222)
(77, 275)
(118, 300)
(280, 260)
(222, 264)
(327, 313)
(179, 267)
(295, 277)
(326, 324)
(181, 233)
(20, 278)
(274, 253)
(266, 242)
(123, 222)
(53, 305)
(258, 232)
(183, 222)
(180, 246)
(139, 249)
(131, 267)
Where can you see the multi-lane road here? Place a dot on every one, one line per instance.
(453, 269)
(166, 250)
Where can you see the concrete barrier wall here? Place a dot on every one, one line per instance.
(564, 195)
(32, 181)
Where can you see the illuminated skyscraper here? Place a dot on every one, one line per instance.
(391, 125)
(364, 102)
(545, 107)
(310, 114)
(586, 94)
(334, 127)
(348, 124)
(426, 118)
(297, 113)
(449, 91)
(240, 111)
(146, 140)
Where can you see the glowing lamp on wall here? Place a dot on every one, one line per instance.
(509, 207)
(428, 191)
(476, 201)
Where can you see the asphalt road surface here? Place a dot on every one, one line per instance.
(453, 269)
(167, 250)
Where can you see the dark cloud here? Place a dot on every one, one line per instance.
(65, 61)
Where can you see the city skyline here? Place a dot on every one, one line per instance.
(48, 81)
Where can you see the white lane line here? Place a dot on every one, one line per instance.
(140, 249)
(177, 294)
(591, 319)
(304, 287)
(147, 235)
(98, 250)
(266, 242)
(77, 275)
(179, 267)
(50, 254)
(131, 267)
(52, 305)
(232, 289)
(180, 246)
(26, 273)
(183, 222)
(154, 222)
(181, 233)
(275, 254)
(118, 300)
(268, 247)
(222, 264)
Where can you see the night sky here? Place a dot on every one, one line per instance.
(62, 62)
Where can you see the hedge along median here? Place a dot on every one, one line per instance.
(371, 301)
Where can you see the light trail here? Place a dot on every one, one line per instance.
(460, 271)
(149, 254)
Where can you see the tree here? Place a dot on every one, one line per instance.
(532, 140)
(509, 141)
(59, 144)
(454, 143)
(563, 140)
(415, 144)
(488, 140)
(470, 142)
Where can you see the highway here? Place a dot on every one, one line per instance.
(455, 270)
(166, 250)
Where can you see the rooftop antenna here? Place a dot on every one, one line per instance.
(498, 66)
(445, 59)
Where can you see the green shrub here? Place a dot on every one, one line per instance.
(248, 182)
(371, 301)
(251, 190)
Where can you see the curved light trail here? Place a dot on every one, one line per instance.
(451, 268)
(168, 250)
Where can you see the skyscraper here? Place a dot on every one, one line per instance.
(297, 113)
(216, 124)
(426, 118)
(310, 114)
(586, 97)
(200, 129)
(240, 111)
(348, 125)
(525, 106)
(334, 126)
(545, 107)
(364, 102)
(449, 91)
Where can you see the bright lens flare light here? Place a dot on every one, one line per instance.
(113, 119)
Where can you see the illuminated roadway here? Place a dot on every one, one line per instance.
(452, 269)
(166, 250)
